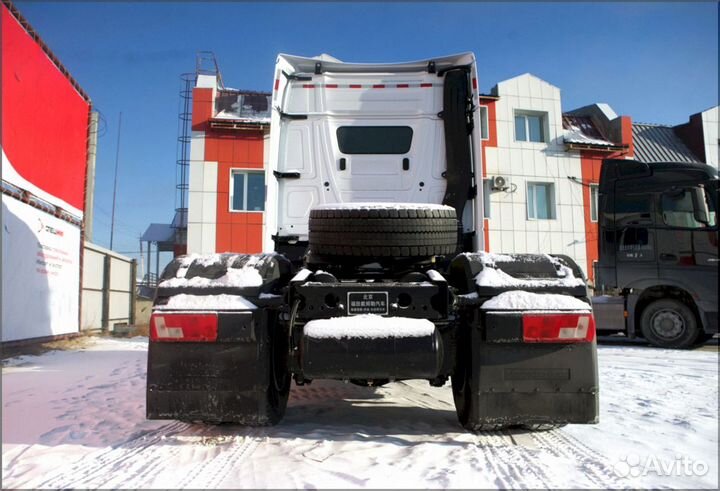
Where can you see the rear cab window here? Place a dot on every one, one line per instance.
(378, 140)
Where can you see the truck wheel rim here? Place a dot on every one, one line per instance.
(668, 324)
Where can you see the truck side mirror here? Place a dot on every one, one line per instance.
(701, 213)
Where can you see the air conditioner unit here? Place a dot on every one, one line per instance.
(499, 183)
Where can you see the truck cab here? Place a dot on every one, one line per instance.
(388, 133)
(658, 251)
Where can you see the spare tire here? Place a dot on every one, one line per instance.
(398, 230)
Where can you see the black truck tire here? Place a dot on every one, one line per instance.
(669, 323)
(462, 388)
(383, 231)
(278, 389)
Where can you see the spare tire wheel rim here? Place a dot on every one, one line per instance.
(667, 324)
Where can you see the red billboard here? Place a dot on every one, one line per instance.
(44, 120)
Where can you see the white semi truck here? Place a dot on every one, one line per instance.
(375, 215)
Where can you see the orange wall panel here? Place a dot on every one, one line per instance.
(225, 149)
(254, 237)
(211, 149)
(223, 238)
(202, 109)
(240, 153)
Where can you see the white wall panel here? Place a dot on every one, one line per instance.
(40, 273)
(210, 178)
(196, 176)
(197, 145)
(209, 208)
(194, 238)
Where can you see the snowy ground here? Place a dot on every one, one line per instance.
(75, 419)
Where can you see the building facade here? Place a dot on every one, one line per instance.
(226, 194)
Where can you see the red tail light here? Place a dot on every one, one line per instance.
(183, 327)
(558, 328)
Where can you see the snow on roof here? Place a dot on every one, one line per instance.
(374, 206)
(207, 302)
(580, 129)
(521, 300)
(608, 111)
(492, 276)
(369, 326)
(242, 105)
(247, 276)
(238, 117)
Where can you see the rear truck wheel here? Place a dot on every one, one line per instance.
(463, 395)
(279, 387)
(669, 323)
(218, 350)
(383, 231)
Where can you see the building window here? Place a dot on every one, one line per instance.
(247, 191)
(593, 202)
(530, 126)
(541, 201)
(484, 123)
(487, 188)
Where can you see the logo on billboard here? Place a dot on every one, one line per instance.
(49, 229)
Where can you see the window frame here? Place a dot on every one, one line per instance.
(543, 118)
(246, 172)
(552, 206)
(484, 122)
(594, 201)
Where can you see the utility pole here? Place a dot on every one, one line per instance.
(117, 158)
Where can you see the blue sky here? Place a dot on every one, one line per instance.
(657, 62)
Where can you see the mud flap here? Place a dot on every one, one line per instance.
(222, 381)
(510, 376)
(517, 382)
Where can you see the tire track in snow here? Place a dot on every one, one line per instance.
(239, 453)
(513, 467)
(97, 464)
(594, 465)
(214, 471)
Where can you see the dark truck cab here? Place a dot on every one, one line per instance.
(657, 273)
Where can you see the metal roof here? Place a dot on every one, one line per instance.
(657, 143)
(159, 232)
